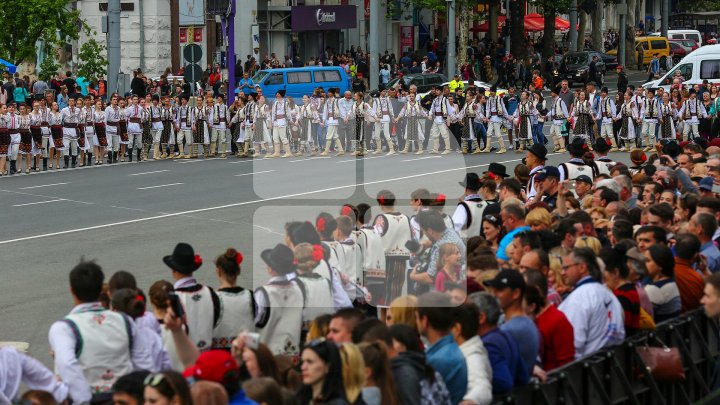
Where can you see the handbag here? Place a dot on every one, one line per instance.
(663, 363)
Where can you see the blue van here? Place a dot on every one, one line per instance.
(301, 81)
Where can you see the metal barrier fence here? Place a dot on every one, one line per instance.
(617, 375)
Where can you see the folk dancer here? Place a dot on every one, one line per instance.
(237, 123)
(4, 138)
(628, 115)
(668, 115)
(183, 128)
(691, 112)
(45, 129)
(439, 112)
(359, 113)
(71, 120)
(606, 111)
(38, 120)
(100, 140)
(637, 101)
(259, 125)
(307, 115)
(147, 130)
(26, 141)
(330, 118)
(582, 113)
(87, 132)
(576, 166)
(220, 119)
(495, 113)
(167, 138)
(394, 229)
(413, 113)
(649, 114)
(237, 304)
(199, 128)
(280, 115)
(467, 116)
(113, 116)
(383, 109)
(56, 133)
(135, 113)
(157, 128)
(603, 162)
(559, 116)
(523, 117)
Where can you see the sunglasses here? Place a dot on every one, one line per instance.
(153, 380)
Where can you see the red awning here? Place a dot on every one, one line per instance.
(533, 23)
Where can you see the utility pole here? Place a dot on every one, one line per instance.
(230, 54)
(573, 25)
(507, 30)
(141, 11)
(623, 23)
(665, 18)
(113, 48)
(451, 39)
(373, 44)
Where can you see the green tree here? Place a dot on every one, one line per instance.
(49, 65)
(91, 58)
(550, 9)
(25, 22)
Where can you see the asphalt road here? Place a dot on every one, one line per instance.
(128, 216)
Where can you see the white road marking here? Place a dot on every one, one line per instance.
(240, 204)
(361, 158)
(312, 158)
(40, 202)
(155, 171)
(44, 185)
(199, 160)
(243, 161)
(162, 185)
(422, 158)
(249, 174)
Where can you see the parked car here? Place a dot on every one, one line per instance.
(682, 34)
(298, 82)
(677, 51)
(701, 64)
(575, 66)
(650, 47)
(476, 83)
(689, 44)
(424, 82)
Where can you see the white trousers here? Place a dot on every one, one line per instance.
(331, 132)
(218, 135)
(157, 134)
(382, 127)
(70, 146)
(494, 129)
(648, 128)
(437, 130)
(135, 141)
(687, 127)
(279, 134)
(606, 131)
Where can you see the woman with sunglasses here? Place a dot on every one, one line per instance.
(321, 368)
(167, 388)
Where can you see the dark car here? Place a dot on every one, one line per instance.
(424, 82)
(576, 65)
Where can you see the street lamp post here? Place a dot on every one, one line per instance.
(451, 39)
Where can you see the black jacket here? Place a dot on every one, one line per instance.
(408, 369)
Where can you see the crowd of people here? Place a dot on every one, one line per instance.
(378, 303)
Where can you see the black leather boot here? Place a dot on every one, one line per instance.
(13, 167)
(74, 161)
(89, 157)
(45, 160)
(67, 161)
(130, 155)
(139, 153)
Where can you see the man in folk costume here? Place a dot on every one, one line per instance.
(384, 114)
(606, 112)
(147, 129)
(649, 114)
(359, 114)
(219, 120)
(535, 161)
(280, 115)
(45, 130)
(280, 303)
(394, 228)
(134, 115)
(495, 113)
(331, 117)
(637, 101)
(524, 118)
(628, 115)
(603, 162)
(199, 128)
(559, 115)
(668, 115)
(582, 112)
(438, 114)
(237, 130)
(305, 117)
(468, 216)
(167, 138)
(92, 346)
(36, 120)
(183, 128)
(86, 154)
(468, 113)
(156, 128)
(200, 302)
(71, 121)
(691, 112)
(113, 116)
(575, 167)
(346, 128)
(413, 113)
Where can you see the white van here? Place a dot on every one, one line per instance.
(701, 64)
(682, 34)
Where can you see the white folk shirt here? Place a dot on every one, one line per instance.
(606, 110)
(17, 368)
(692, 110)
(63, 343)
(559, 112)
(439, 109)
(113, 116)
(331, 113)
(596, 316)
(495, 109)
(383, 109)
(650, 110)
(218, 116)
(280, 113)
(199, 308)
(155, 115)
(182, 119)
(279, 315)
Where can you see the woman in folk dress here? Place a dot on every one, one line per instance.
(4, 139)
(626, 115)
(36, 131)
(306, 118)
(415, 117)
(523, 117)
(582, 113)
(668, 116)
(467, 117)
(360, 113)
(259, 126)
(56, 133)
(100, 137)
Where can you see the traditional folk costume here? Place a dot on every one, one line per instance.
(45, 130)
(649, 113)
(258, 122)
(147, 133)
(71, 121)
(467, 116)
(38, 121)
(166, 136)
(307, 115)
(201, 135)
(628, 116)
(383, 109)
(202, 307)
(524, 117)
(331, 117)
(184, 124)
(26, 139)
(668, 115)
(135, 131)
(495, 113)
(583, 127)
(359, 113)
(414, 116)
(439, 112)
(237, 313)
(56, 132)
(318, 294)
(4, 138)
(237, 123)
(559, 116)
(85, 142)
(606, 112)
(691, 112)
(157, 128)
(280, 115)
(280, 315)
(394, 229)
(219, 119)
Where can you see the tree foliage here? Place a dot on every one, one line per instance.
(91, 58)
(49, 65)
(24, 22)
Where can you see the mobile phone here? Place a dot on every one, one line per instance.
(175, 304)
(716, 188)
(570, 185)
(252, 340)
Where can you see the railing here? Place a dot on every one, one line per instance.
(617, 375)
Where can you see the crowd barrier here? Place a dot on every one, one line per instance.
(617, 375)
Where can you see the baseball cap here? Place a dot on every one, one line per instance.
(214, 365)
(583, 178)
(706, 184)
(548, 171)
(507, 279)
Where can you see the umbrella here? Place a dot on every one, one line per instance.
(539, 21)
(10, 67)
(531, 25)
